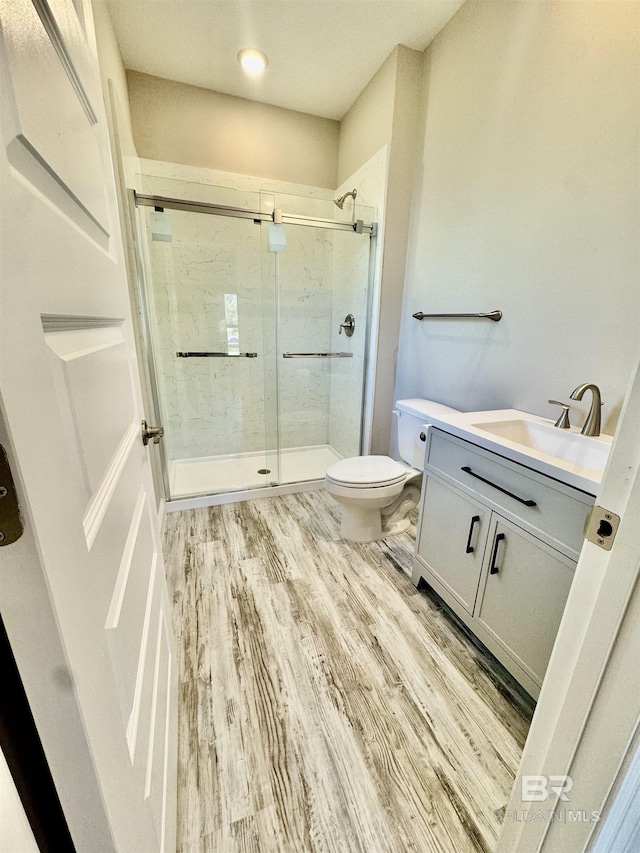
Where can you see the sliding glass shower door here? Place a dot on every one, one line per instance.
(257, 371)
(322, 284)
(205, 305)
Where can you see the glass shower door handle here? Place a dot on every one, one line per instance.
(217, 354)
(317, 355)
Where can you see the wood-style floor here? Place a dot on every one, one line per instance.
(325, 703)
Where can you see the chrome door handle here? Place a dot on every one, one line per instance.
(149, 433)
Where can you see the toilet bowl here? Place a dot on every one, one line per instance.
(377, 492)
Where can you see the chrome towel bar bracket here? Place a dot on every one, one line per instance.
(492, 315)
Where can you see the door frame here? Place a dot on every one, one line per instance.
(135, 282)
(580, 722)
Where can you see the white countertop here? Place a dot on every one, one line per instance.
(468, 425)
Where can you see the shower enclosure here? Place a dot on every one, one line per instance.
(255, 308)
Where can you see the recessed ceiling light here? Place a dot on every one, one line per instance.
(253, 61)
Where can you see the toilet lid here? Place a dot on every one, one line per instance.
(367, 471)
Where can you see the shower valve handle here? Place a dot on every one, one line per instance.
(349, 325)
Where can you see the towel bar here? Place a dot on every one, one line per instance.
(492, 315)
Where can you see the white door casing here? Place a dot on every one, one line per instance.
(589, 708)
(82, 593)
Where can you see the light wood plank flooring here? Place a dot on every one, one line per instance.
(325, 703)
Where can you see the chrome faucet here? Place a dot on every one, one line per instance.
(563, 420)
(592, 423)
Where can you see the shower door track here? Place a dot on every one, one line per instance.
(357, 227)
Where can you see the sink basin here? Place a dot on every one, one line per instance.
(564, 454)
(572, 447)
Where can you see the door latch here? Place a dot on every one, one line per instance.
(602, 526)
(11, 526)
(151, 433)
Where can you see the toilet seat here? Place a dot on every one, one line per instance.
(366, 472)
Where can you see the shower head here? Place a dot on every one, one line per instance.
(339, 202)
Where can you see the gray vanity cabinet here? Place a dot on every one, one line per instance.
(499, 542)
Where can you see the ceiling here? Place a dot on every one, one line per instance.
(322, 53)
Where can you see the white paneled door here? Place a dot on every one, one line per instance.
(82, 592)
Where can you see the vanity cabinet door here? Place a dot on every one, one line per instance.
(452, 539)
(523, 593)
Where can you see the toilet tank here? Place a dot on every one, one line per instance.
(412, 415)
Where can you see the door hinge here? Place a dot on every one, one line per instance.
(11, 526)
(602, 526)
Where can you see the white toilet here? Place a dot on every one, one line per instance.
(376, 492)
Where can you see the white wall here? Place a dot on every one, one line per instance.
(527, 201)
(198, 127)
(368, 125)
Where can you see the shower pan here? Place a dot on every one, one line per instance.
(255, 378)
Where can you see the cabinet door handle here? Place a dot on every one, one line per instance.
(471, 473)
(474, 521)
(494, 569)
